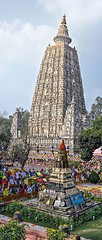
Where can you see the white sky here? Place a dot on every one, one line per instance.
(27, 27)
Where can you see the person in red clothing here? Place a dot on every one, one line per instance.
(1, 190)
(22, 189)
(9, 174)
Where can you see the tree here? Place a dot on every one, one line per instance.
(90, 139)
(13, 231)
(24, 129)
(94, 177)
(5, 134)
(97, 125)
(27, 150)
(20, 153)
(96, 109)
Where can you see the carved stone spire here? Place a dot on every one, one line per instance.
(58, 107)
(63, 35)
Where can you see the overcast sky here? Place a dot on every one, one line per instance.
(26, 29)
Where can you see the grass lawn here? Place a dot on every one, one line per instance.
(91, 230)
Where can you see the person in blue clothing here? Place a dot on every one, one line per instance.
(36, 187)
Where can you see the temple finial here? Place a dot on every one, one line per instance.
(63, 35)
(63, 19)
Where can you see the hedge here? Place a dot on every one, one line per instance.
(41, 218)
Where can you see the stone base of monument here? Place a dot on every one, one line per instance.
(61, 197)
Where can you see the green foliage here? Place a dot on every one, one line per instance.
(20, 153)
(53, 234)
(97, 125)
(12, 231)
(5, 134)
(88, 216)
(43, 219)
(96, 109)
(73, 164)
(94, 177)
(24, 129)
(71, 222)
(13, 207)
(34, 215)
(90, 139)
(90, 230)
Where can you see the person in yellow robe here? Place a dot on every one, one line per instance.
(6, 191)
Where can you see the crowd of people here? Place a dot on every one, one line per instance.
(81, 169)
(13, 181)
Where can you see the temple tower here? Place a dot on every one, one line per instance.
(58, 107)
(16, 125)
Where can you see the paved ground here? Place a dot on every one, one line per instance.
(90, 185)
(95, 189)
